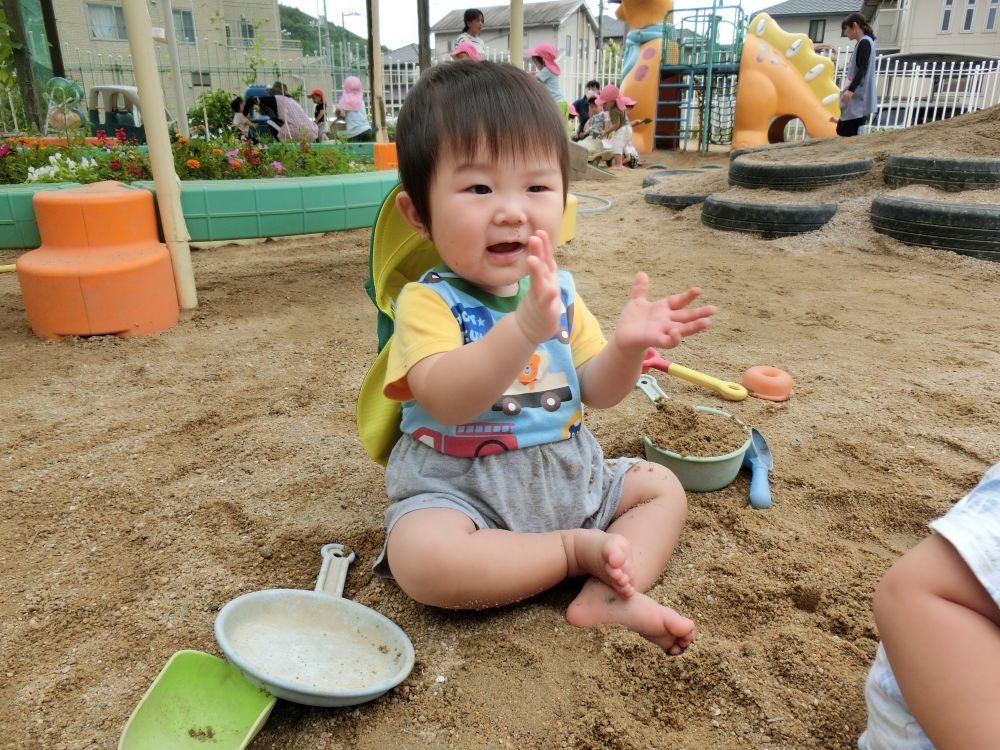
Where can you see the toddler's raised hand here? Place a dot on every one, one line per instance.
(538, 312)
(661, 323)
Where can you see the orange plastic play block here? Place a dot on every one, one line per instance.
(385, 156)
(101, 268)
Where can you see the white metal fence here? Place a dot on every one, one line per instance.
(912, 94)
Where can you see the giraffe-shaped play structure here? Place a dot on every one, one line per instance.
(705, 74)
(782, 78)
(643, 57)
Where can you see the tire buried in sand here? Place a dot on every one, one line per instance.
(769, 219)
(749, 173)
(967, 228)
(944, 174)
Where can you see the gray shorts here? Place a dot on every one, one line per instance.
(564, 485)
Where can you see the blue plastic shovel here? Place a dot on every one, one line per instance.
(758, 460)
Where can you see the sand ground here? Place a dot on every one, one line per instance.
(147, 481)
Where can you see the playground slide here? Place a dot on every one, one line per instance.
(782, 78)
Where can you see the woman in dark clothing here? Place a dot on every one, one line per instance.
(858, 101)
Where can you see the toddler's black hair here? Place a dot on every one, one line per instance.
(467, 104)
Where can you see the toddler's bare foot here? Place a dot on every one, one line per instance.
(607, 557)
(599, 605)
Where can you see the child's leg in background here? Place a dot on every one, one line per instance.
(941, 632)
(650, 516)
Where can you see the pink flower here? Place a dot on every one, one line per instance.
(278, 165)
(5, 149)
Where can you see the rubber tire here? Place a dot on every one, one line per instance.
(653, 178)
(944, 174)
(967, 228)
(768, 219)
(676, 201)
(748, 173)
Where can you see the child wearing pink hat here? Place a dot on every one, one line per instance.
(544, 57)
(351, 108)
(465, 51)
(610, 99)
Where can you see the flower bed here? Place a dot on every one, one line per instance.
(27, 160)
(228, 191)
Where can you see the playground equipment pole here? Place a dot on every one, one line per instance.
(517, 33)
(175, 67)
(375, 72)
(168, 187)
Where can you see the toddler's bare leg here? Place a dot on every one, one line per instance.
(438, 557)
(941, 632)
(650, 517)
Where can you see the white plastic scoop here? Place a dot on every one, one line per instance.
(315, 647)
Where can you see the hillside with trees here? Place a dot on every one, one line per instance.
(301, 26)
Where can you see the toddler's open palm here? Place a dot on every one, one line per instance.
(662, 323)
(538, 312)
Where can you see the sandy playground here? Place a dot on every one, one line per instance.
(147, 481)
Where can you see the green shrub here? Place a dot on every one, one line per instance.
(216, 105)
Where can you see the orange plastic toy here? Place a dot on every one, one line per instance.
(101, 268)
(385, 156)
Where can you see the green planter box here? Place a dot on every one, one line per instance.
(18, 228)
(217, 210)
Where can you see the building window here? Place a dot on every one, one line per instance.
(970, 13)
(201, 78)
(946, 16)
(569, 44)
(184, 26)
(247, 35)
(817, 29)
(991, 16)
(107, 22)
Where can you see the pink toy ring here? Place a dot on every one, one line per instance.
(768, 383)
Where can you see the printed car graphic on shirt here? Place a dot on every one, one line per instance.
(471, 439)
(535, 387)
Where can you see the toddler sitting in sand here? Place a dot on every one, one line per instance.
(495, 341)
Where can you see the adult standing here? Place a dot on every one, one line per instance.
(582, 106)
(858, 100)
(473, 20)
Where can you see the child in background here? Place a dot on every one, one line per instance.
(319, 113)
(351, 108)
(240, 121)
(496, 343)
(611, 101)
(544, 57)
(936, 675)
(630, 156)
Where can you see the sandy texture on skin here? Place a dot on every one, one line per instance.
(147, 481)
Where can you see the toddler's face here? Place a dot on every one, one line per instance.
(484, 210)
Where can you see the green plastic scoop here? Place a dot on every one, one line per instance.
(197, 701)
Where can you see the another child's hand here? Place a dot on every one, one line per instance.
(538, 312)
(661, 323)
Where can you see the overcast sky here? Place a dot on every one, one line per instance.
(399, 17)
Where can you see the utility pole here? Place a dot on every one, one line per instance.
(600, 33)
(423, 34)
